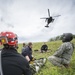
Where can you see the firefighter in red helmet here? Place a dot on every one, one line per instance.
(9, 39)
(13, 63)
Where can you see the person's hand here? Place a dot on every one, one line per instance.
(27, 58)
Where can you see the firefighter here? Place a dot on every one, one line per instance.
(13, 63)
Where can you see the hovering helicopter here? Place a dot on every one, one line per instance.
(49, 19)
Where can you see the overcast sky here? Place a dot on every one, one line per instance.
(23, 18)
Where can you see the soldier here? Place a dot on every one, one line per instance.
(13, 63)
(63, 55)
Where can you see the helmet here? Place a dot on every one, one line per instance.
(8, 38)
(67, 37)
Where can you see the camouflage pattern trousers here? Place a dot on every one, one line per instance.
(57, 61)
(37, 64)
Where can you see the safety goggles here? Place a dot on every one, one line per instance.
(5, 40)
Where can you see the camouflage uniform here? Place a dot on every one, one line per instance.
(62, 55)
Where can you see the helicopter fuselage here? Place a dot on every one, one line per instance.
(49, 20)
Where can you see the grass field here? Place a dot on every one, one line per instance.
(50, 69)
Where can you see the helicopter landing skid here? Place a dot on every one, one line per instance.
(46, 26)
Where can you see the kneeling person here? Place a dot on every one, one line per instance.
(44, 47)
(64, 53)
(34, 64)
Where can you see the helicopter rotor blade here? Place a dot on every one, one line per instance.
(48, 13)
(43, 18)
(57, 16)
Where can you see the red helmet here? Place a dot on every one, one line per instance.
(8, 38)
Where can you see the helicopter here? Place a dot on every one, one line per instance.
(49, 19)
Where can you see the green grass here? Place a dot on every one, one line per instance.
(50, 69)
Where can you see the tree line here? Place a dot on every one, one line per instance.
(58, 38)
